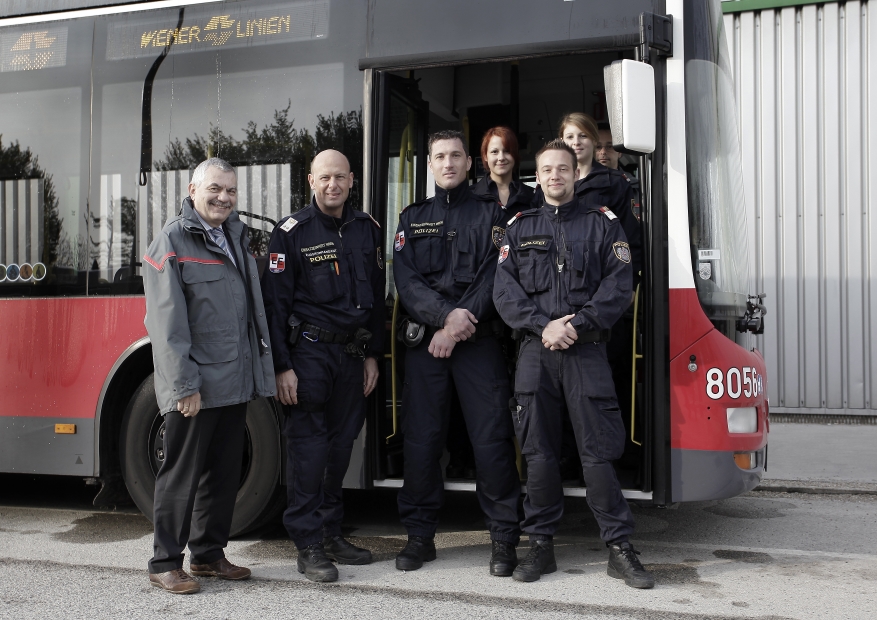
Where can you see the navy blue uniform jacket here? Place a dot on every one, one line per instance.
(555, 261)
(328, 272)
(520, 195)
(445, 255)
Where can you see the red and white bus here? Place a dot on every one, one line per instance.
(104, 112)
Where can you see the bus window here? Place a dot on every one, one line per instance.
(45, 249)
(263, 86)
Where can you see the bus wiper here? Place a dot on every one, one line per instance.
(753, 319)
(258, 217)
(146, 107)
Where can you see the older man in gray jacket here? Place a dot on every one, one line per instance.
(205, 317)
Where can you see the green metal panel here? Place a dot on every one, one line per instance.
(737, 6)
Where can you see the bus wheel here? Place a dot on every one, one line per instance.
(260, 497)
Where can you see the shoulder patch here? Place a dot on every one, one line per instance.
(379, 252)
(289, 224)
(399, 241)
(277, 262)
(608, 213)
(636, 209)
(622, 251)
(503, 254)
(498, 234)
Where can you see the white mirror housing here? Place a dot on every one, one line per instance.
(630, 101)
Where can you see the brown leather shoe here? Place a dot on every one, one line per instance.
(177, 581)
(222, 569)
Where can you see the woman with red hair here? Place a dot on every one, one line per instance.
(499, 152)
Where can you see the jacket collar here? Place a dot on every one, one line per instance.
(328, 220)
(451, 198)
(233, 224)
(560, 212)
(598, 177)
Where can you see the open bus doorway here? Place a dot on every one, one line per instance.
(530, 96)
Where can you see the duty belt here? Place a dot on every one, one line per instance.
(311, 332)
(491, 328)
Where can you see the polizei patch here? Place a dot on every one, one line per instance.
(277, 263)
(622, 251)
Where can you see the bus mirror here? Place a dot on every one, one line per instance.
(630, 100)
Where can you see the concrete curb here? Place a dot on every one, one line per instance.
(818, 487)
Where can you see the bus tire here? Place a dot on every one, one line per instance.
(260, 496)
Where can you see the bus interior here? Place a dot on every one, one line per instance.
(529, 95)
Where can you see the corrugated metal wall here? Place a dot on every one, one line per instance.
(804, 78)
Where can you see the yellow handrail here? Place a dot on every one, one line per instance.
(636, 356)
(392, 357)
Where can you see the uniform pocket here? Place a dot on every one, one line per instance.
(325, 282)
(196, 273)
(363, 263)
(578, 274)
(610, 439)
(534, 266)
(464, 256)
(528, 368)
(429, 252)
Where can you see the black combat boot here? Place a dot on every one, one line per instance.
(503, 558)
(540, 561)
(312, 561)
(343, 552)
(418, 550)
(623, 564)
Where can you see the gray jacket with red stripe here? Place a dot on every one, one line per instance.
(204, 326)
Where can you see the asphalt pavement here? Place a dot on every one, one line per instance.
(763, 555)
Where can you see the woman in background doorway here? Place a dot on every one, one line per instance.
(499, 152)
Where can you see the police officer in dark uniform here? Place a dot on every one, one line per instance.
(324, 300)
(564, 278)
(500, 153)
(444, 265)
(605, 154)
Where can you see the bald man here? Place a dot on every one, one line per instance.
(324, 301)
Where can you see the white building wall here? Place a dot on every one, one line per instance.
(808, 124)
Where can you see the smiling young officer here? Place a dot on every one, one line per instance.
(324, 299)
(564, 278)
(444, 264)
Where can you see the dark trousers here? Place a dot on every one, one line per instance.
(549, 385)
(478, 371)
(196, 486)
(320, 432)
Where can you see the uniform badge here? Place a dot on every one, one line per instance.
(498, 234)
(636, 208)
(503, 254)
(608, 213)
(705, 270)
(399, 241)
(380, 256)
(514, 218)
(277, 263)
(622, 251)
(289, 224)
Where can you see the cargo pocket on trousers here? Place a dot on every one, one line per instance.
(610, 443)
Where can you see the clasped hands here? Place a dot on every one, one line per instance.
(459, 325)
(559, 334)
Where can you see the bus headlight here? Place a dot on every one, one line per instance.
(742, 420)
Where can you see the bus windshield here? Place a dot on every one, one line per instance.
(720, 252)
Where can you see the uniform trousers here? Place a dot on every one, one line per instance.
(196, 485)
(478, 371)
(549, 385)
(320, 432)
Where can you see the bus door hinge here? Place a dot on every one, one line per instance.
(655, 32)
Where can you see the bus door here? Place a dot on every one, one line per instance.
(399, 153)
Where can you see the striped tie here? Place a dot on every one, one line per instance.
(217, 235)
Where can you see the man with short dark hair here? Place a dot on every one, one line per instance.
(445, 260)
(204, 315)
(563, 279)
(324, 297)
